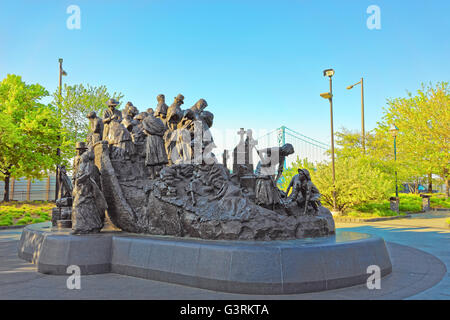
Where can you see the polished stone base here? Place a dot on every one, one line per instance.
(252, 267)
(62, 224)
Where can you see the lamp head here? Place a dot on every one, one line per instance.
(326, 95)
(328, 73)
(394, 130)
(60, 60)
(349, 87)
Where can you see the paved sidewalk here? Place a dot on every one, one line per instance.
(416, 274)
(425, 231)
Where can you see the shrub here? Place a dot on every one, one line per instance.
(25, 220)
(440, 202)
(20, 213)
(6, 221)
(410, 202)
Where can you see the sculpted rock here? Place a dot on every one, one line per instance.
(198, 201)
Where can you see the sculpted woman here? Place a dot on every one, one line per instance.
(155, 151)
(89, 204)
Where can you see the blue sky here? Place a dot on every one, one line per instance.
(257, 63)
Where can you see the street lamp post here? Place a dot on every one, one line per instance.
(329, 95)
(362, 112)
(394, 130)
(58, 150)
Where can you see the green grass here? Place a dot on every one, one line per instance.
(408, 203)
(439, 200)
(373, 209)
(22, 213)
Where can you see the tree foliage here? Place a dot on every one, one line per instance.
(423, 141)
(29, 131)
(74, 103)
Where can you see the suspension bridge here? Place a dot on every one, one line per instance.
(305, 147)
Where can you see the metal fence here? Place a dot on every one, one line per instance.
(30, 190)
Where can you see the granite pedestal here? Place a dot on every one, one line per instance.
(252, 267)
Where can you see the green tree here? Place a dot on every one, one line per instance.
(75, 103)
(424, 137)
(379, 152)
(29, 132)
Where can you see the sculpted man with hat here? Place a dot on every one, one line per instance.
(118, 137)
(161, 108)
(138, 134)
(155, 152)
(95, 128)
(174, 112)
(192, 128)
(111, 114)
(128, 114)
(80, 147)
(174, 115)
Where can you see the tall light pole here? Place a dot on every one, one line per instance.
(394, 130)
(58, 150)
(329, 95)
(362, 112)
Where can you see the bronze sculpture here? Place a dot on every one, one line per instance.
(155, 152)
(174, 115)
(310, 192)
(89, 204)
(95, 128)
(267, 193)
(80, 148)
(243, 152)
(161, 108)
(192, 134)
(65, 185)
(109, 116)
(115, 133)
(187, 192)
(137, 134)
(174, 112)
(128, 114)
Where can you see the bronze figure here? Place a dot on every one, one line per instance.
(89, 204)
